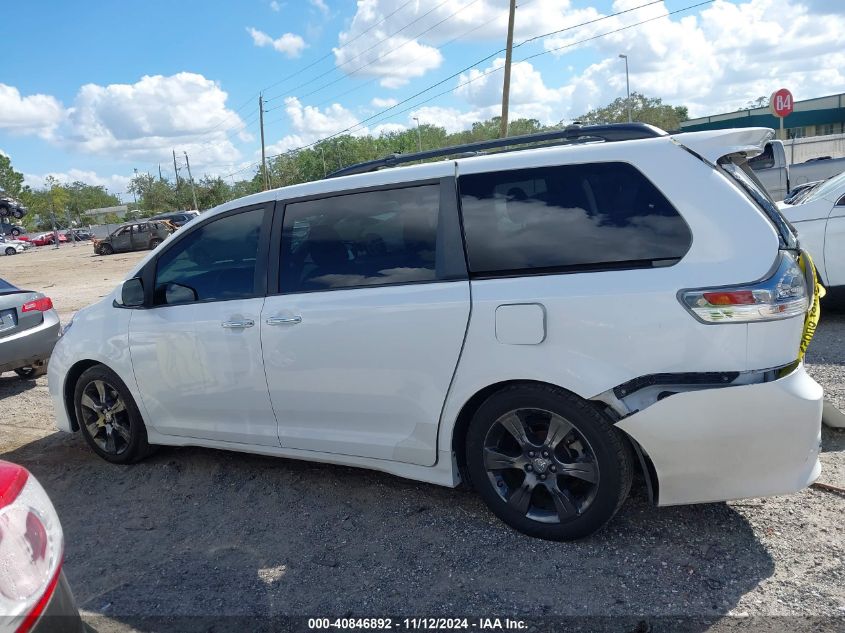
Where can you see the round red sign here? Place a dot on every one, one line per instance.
(781, 103)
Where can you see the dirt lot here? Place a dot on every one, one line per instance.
(203, 532)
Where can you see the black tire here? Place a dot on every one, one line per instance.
(119, 437)
(106, 249)
(4, 209)
(16, 232)
(566, 505)
(10, 251)
(154, 243)
(18, 214)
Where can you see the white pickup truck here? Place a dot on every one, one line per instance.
(779, 177)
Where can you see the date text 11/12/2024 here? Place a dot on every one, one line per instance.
(416, 624)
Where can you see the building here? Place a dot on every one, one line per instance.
(812, 117)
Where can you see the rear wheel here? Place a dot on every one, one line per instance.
(154, 243)
(18, 213)
(547, 463)
(4, 210)
(108, 417)
(16, 232)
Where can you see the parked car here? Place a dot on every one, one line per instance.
(133, 236)
(10, 207)
(798, 193)
(45, 239)
(539, 323)
(29, 328)
(819, 218)
(179, 218)
(11, 229)
(36, 595)
(12, 247)
(79, 235)
(780, 178)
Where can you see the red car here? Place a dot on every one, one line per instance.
(48, 238)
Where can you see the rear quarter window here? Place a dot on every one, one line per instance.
(569, 217)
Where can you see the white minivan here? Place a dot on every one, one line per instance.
(539, 323)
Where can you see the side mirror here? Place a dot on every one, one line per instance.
(132, 293)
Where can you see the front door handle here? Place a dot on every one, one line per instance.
(238, 325)
(284, 320)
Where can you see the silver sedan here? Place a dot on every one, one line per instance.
(29, 329)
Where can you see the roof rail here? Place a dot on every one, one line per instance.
(570, 134)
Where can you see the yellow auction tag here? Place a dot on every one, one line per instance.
(811, 321)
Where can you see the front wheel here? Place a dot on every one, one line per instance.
(108, 416)
(16, 232)
(547, 463)
(106, 249)
(10, 251)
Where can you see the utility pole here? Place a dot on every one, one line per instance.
(627, 87)
(134, 197)
(263, 154)
(160, 178)
(323, 156)
(191, 178)
(506, 89)
(176, 172)
(70, 227)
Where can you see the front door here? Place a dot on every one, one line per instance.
(196, 352)
(362, 341)
(121, 239)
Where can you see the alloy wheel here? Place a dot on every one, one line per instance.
(541, 465)
(105, 417)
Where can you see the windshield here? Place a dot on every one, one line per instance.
(5, 286)
(830, 185)
(743, 175)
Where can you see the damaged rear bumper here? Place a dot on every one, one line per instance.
(733, 442)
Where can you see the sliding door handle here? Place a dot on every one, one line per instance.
(284, 320)
(238, 325)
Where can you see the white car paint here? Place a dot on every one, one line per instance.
(820, 222)
(377, 378)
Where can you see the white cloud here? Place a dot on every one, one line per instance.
(453, 119)
(397, 41)
(34, 114)
(320, 5)
(379, 102)
(309, 124)
(714, 62)
(275, 6)
(288, 44)
(144, 120)
(115, 183)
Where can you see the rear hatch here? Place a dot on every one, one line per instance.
(781, 310)
(728, 151)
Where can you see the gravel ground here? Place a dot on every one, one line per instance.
(202, 532)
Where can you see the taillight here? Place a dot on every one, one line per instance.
(39, 305)
(781, 296)
(31, 546)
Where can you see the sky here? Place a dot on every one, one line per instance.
(94, 90)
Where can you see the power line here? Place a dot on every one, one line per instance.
(385, 54)
(492, 70)
(349, 61)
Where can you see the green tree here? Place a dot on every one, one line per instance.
(11, 181)
(643, 109)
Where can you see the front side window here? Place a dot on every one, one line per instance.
(575, 217)
(215, 262)
(361, 239)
